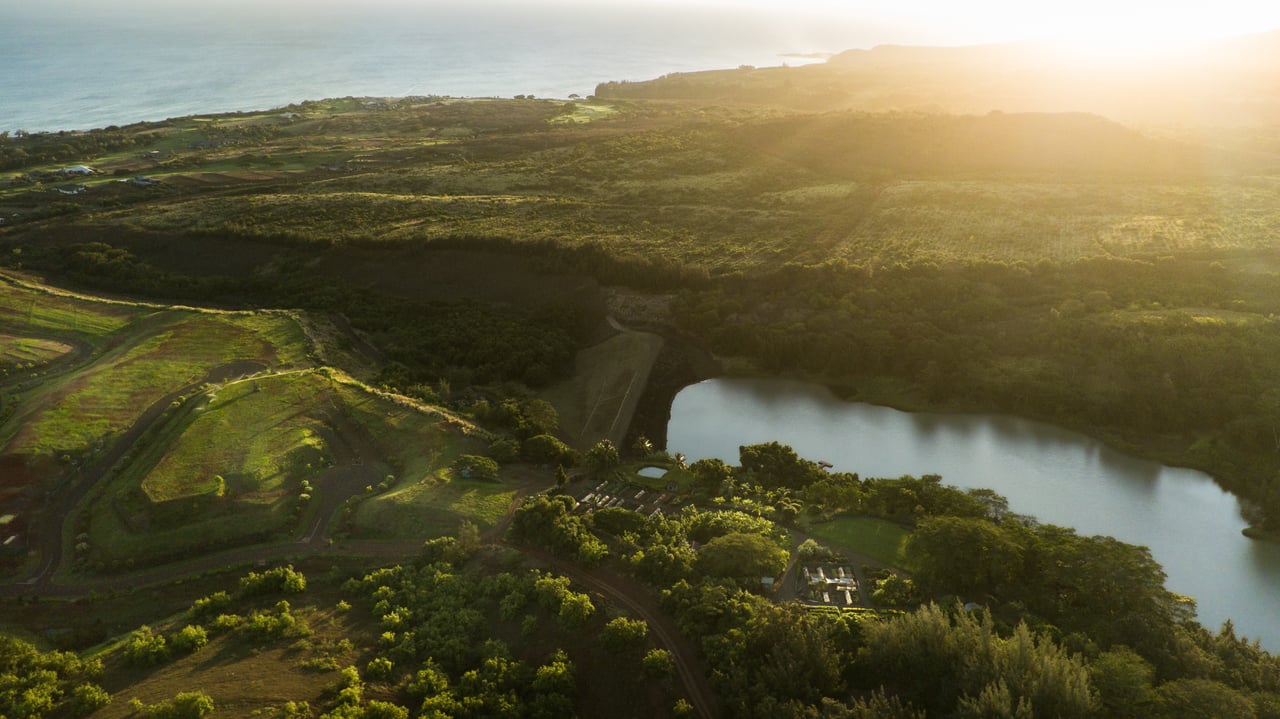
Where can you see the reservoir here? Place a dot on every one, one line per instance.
(1190, 524)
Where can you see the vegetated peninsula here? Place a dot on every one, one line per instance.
(340, 409)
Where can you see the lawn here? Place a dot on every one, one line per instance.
(877, 538)
(682, 478)
(585, 112)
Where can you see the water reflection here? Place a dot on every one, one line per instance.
(1191, 525)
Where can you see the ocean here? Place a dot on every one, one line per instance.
(79, 64)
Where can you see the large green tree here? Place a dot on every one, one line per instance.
(742, 556)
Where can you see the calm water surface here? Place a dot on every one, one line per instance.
(1191, 525)
(77, 64)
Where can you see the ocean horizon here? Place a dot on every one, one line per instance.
(77, 65)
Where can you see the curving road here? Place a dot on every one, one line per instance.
(53, 517)
(627, 593)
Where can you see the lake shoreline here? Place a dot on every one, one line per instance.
(1059, 476)
(897, 395)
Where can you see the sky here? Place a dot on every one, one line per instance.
(1117, 26)
(1107, 26)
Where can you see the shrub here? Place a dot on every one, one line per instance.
(575, 610)
(378, 669)
(190, 638)
(226, 622)
(185, 705)
(622, 633)
(474, 466)
(145, 648)
(211, 606)
(658, 663)
(88, 698)
(285, 580)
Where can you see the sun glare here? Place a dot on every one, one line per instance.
(1126, 31)
(1095, 27)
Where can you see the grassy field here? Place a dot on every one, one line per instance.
(433, 506)
(26, 352)
(27, 310)
(414, 444)
(244, 677)
(260, 437)
(226, 469)
(173, 350)
(877, 538)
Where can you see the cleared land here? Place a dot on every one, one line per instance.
(433, 507)
(250, 438)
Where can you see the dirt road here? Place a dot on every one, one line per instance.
(54, 515)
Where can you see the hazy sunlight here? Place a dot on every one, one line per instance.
(1099, 27)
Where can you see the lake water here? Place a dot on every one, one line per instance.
(1191, 525)
(77, 64)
